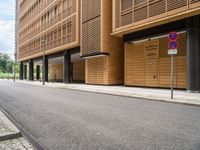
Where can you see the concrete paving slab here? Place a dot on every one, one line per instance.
(10, 136)
(7, 129)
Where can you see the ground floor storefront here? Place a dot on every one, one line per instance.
(66, 66)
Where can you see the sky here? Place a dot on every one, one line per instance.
(7, 26)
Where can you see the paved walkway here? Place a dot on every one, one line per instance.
(10, 137)
(180, 96)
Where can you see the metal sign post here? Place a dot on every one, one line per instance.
(172, 76)
(173, 45)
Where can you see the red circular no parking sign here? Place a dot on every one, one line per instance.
(173, 44)
(173, 36)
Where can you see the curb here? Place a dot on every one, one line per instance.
(11, 131)
(10, 136)
(34, 142)
(138, 97)
(190, 102)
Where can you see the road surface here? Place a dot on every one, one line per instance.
(63, 119)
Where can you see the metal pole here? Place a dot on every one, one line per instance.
(14, 67)
(43, 70)
(14, 72)
(172, 76)
(43, 62)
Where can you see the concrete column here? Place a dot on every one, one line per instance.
(193, 56)
(25, 71)
(66, 65)
(21, 71)
(31, 70)
(38, 72)
(45, 69)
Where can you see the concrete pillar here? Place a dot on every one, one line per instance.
(21, 71)
(31, 70)
(45, 69)
(193, 55)
(66, 62)
(25, 71)
(38, 72)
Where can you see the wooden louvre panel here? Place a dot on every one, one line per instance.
(151, 63)
(194, 1)
(174, 4)
(90, 38)
(71, 7)
(64, 32)
(156, 7)
(126, 18)
(134, 64)
(95, 70)
(84, 10)
(138, 2)
(84, 45)
(97, 8)
(96, 35)
(91, 33)
(126, 4)
(90, 9)
(71, 28)
(140, 13)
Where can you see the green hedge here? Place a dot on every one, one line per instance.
(8, 76)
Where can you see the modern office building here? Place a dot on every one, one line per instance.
(109, 42)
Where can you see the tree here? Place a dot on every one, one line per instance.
(6, 63)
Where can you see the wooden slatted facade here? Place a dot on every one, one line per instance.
(97, 28)
(133, 15)
(50, 26)
(148, 64)
(96, 40)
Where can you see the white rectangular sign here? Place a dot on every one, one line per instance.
(172, 52)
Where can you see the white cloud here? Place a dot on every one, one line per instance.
(7, 26)
(7, 36)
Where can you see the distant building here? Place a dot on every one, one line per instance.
(109, 42)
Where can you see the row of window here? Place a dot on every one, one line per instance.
(61, 35)
(47, 20)
(33, 11)
(23, 5)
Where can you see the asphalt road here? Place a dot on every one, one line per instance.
(63, 119)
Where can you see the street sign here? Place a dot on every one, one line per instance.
(173, 45)
(173, 36)
(172, 51)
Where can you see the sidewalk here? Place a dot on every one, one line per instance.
(10, 136)
(180, 96)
